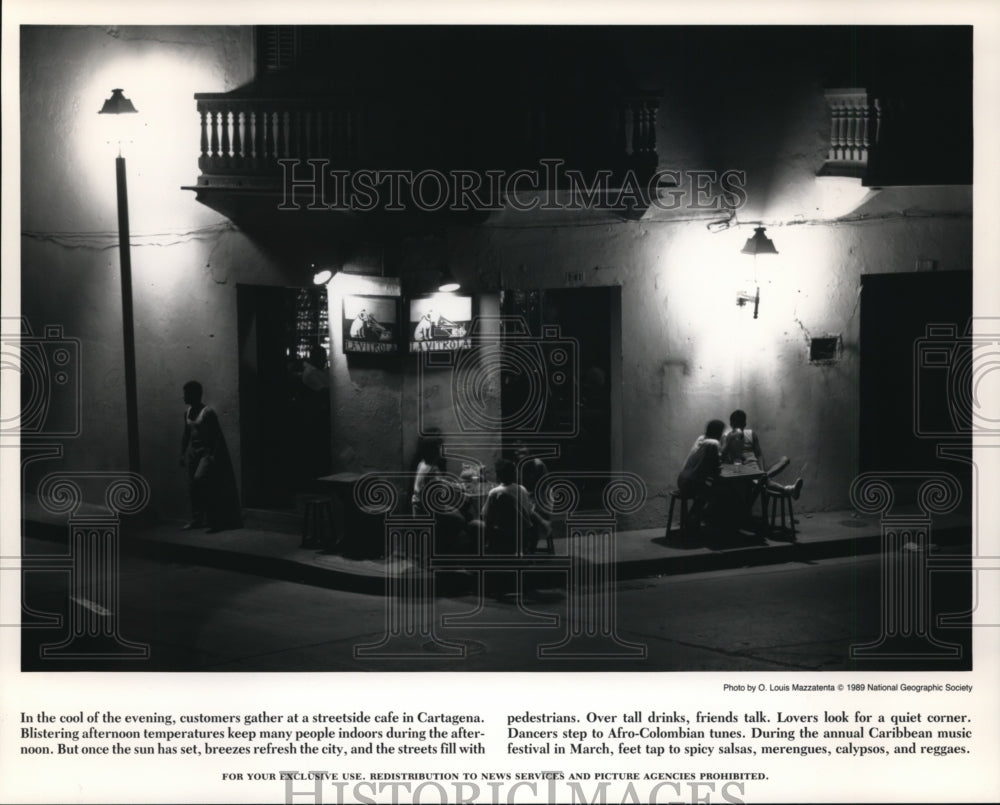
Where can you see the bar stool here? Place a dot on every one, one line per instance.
(685, 501)
(317, 523)
(780, 499)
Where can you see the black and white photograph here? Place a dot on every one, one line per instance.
(371, 324)
(683, 466)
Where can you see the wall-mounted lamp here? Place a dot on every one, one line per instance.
(118, 104)
(759, 243)
(743, 298)
(321, 276)
(448, 282)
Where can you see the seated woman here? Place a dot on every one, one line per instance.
(703, 465)
(452, 530)
(742, 445)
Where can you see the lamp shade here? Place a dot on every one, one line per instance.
(322, 276)
(759, 243)
(117, 104)
(448, 282)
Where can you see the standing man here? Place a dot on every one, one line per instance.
(215, 501)
(201, 429)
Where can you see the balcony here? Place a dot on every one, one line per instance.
(901, 139)
(242, 139)
(855, 122)
(252, 147)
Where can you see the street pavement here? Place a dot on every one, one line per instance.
(257, 600)
(791, 617)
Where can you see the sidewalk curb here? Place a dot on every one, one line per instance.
(299, 570)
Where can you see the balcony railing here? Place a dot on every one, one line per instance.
(855, 128)
(243, 138)
(247, 136)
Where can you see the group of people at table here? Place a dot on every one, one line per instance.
(734, 454)
(509, 519)
(722, 477)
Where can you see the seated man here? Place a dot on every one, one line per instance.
(703, 465)
(508, 510)
(532, 470)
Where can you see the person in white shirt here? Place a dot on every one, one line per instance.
(508, 512)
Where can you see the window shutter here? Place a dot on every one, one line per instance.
(276, 49)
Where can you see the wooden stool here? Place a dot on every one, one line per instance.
(781, 500)
(676, 495)
(317, 523)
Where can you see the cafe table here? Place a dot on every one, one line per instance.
(735, 485)
(747, 473)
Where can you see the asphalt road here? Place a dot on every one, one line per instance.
(790, 617)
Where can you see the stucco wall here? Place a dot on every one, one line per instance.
(688, 352)
(186, 259)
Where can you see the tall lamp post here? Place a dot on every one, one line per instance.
(118, 104)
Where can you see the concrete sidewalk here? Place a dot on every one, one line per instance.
(635, 554)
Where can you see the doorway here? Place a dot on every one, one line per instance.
(909, 405)
(588, 319)
(284, 340)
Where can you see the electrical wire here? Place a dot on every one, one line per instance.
(104, 241)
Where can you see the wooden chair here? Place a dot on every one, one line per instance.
(776, 468)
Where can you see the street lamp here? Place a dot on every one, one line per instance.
(759, 243)
(118, 104)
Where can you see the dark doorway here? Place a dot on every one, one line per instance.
(915, 391)
(284, 392)
(585, 318)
